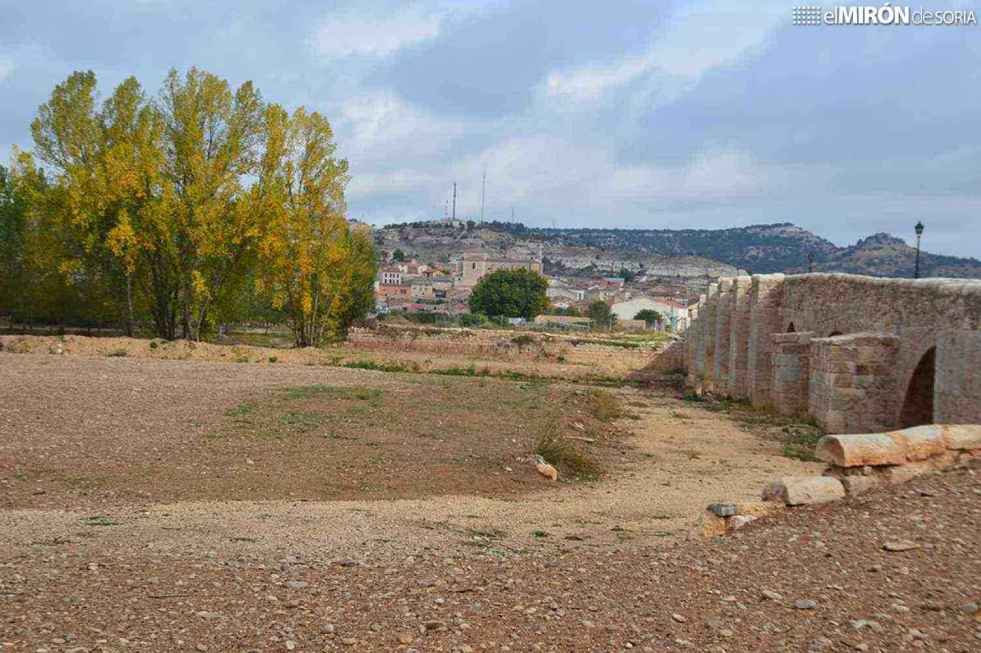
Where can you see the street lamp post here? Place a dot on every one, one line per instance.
(919, 232)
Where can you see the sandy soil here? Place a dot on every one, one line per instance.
(815, 579)
(96, 557)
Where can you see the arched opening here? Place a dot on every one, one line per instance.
(834, 333)
(791, 329)
(918, 404)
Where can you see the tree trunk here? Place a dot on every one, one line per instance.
(129, 305)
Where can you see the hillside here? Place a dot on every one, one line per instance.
(781, 247)
(887, 256)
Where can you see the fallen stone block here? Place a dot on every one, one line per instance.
(908, 472)
(804, 490)
(923, 442)
(857, 484)
(861, 449)
(758, 508)
(963, 437)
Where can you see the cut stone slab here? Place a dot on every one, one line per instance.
(859, 484)
(963, 437)
(804, 490)
(923, 442)
(862, 449)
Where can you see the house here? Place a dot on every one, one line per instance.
(390, 276)
(475, 265)
(559, 292)
(674, 314)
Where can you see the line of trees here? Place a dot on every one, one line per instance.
(201, 205)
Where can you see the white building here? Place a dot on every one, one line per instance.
(675, 315)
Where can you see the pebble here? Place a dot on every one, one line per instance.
(679, 618)
(773, 596)
(805, 604)
(820, 644)
(860, 624)
(898, 546)
(296, 584)
(722, 509)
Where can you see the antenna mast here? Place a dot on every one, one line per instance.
(483, 193)
(454, 200)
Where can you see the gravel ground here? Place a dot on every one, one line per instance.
(601, 566)
(815, 579)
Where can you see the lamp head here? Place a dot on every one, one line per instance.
(919, 228)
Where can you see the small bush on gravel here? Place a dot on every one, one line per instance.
(605, 406)
(561, 453)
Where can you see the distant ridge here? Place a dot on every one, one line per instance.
(766, 248)
(758, 249)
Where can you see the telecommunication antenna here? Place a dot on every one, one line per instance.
(454, 200)
(483, 193)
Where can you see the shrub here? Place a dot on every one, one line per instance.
(560, 453)
(605, 406)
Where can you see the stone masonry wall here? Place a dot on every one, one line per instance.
(764, 320)
(929, 330)
(957, 389)
(723, 314)
(739, 337)
(852, 388)
(791, 372)
(708, 335)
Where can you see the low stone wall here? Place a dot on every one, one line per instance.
(857, 463)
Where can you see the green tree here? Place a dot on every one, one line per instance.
(648, 315)
(313, 266)
(398, 255)
(510, 293)
(599, 311)
(13, 218)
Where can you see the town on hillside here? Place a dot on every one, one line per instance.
(432, 268)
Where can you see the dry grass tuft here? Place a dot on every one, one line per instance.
(562, 454)
(605, 406)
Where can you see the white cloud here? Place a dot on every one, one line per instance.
(6, 68)
(378, 128)
(696, 39)
(376, 34)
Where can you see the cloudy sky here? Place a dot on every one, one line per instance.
(624, 113)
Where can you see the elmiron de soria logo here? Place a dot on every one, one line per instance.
(883, 15)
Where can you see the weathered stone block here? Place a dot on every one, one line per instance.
(923, 442)
(804, 490)
(861, 449)
(857, 484)
(962, 437)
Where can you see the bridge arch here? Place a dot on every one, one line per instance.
(917, 406)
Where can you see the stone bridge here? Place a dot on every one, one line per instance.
(857, 354)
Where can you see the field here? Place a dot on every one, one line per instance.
(258, 498)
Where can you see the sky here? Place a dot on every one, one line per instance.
(631, 113)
